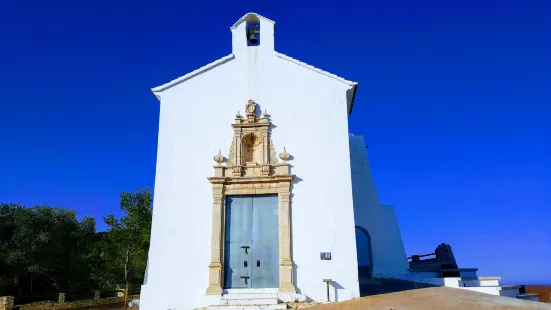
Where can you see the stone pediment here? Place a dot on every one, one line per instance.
(252, 153)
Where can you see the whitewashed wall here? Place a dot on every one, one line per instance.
(388, 251)
(309, 111)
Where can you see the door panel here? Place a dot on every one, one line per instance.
(251, 242)
(238, 241)
(265, 242)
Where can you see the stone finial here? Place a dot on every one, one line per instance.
(265, 118)
(219, 158)
(238, 118)
(284, 155)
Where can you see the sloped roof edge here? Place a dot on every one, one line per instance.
(328, 74)
(303, 64)
(239, 21)
(229, 57)
(188, 76)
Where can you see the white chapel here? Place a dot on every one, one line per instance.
(261, 194)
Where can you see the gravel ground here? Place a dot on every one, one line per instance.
(434, 298)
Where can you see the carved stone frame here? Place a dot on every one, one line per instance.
(239, 178)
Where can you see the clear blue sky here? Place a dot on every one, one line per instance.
(454, 99)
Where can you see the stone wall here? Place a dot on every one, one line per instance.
(6, 303)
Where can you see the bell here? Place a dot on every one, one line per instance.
(252, 33)
(253, 39)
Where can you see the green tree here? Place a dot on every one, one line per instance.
(126, 243)
(9, 250)
(43, 249)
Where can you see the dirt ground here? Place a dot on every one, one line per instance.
(434, 298)
(107, 307)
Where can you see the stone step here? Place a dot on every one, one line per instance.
(249, 301)
(249, 296)
(250, 291)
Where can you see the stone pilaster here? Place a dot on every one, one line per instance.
(238, 148)
(285, 259)
(265, 149)
(215, 266)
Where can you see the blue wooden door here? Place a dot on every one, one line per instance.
(239, 218)
(251, 257)
(265, 248)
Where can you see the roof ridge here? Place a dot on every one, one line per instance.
(326, 73)
(192, 74)
(239, 21)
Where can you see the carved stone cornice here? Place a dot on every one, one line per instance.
(252, 125)
(243, 180)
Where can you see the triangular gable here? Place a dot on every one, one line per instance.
(225, 59)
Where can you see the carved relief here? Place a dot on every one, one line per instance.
(273, 155)
(252, 143)
(236, 171)
(231, 154)
(250, 109)
(252, 149)
(265, 170)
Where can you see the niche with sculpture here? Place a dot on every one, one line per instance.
(252, 149)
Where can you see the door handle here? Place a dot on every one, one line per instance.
(258, 263)
(246, 249)
(246, 278)
(245, 264)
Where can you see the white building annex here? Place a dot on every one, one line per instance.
(275, 217)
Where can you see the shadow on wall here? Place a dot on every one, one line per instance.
(336, 287)
(365, 255)
(374, 286)
(295, 272)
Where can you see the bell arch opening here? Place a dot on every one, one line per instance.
(253, 30)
